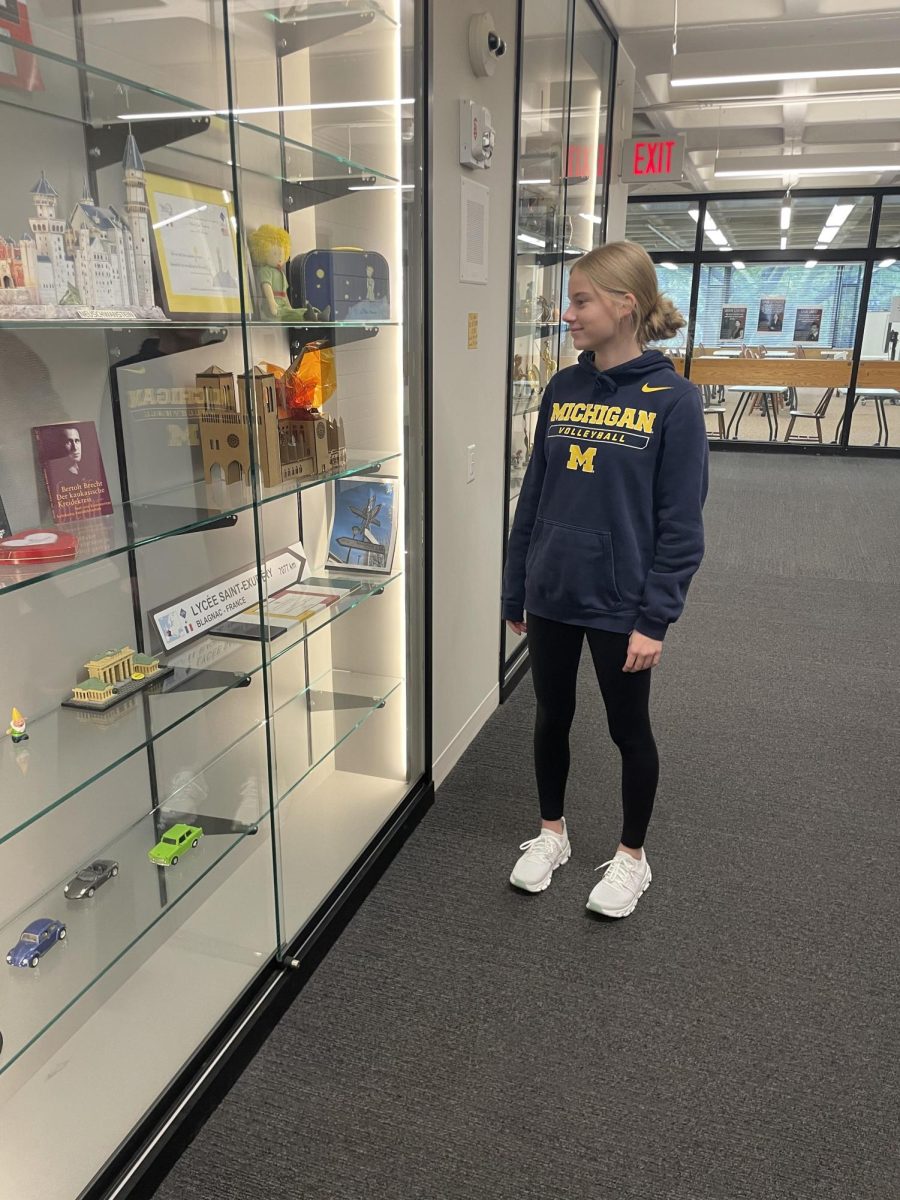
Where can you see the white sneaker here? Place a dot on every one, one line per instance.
(617, 893)
(543, 854)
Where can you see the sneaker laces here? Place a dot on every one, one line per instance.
(543, 846)
(619, 872)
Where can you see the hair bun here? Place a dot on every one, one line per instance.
(662, 322)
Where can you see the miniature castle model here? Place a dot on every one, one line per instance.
(98, 258)
(289, 445)
(111, 668)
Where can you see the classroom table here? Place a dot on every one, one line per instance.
(879, 395)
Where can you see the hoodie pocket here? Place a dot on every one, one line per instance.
(571, 570)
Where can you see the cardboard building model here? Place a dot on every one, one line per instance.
(290, 445)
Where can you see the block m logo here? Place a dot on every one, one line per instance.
(581, 460)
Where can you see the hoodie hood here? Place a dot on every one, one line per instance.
(632, 371)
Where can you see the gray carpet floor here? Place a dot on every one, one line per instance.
(738, 1036)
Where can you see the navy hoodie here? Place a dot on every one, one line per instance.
(609, 527)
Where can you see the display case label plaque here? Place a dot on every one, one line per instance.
(191, 616)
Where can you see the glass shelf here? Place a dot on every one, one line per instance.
(177, 512)
(547, 256)
(538, 329)
(524, 412)
(313, 724)
(69, 749)
(119, 323)
(364, 588)
(113, 103)
(102, 929)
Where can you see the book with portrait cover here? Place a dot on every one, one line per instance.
(69, 454)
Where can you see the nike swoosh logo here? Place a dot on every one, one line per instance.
(648, 388)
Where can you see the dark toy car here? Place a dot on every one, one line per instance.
(36, 939)
(89, 878)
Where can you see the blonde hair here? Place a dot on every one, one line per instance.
(260, 240)
(622, 267)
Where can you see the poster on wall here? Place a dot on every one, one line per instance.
(734, 322)
(807, 324)
(771, 314)
(195, 247)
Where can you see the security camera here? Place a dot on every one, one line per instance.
(496, 44)
(485, 44)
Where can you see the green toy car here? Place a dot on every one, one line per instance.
(173, 843)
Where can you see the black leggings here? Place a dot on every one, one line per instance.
(555, 651)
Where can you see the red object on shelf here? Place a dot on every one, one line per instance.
(37, 546)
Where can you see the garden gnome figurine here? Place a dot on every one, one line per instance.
(17, 727)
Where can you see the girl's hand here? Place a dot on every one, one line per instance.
(518, 627)
(643, 652)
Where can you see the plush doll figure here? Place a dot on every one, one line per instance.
(269, 248)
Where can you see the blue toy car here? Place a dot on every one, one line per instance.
(34, 942)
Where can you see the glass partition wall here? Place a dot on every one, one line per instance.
(566, 68)
(793, 307)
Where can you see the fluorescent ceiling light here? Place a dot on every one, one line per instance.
(717, 237)
(777, 76)
(812, 262)
(530, 181)
(532, 241)
(739, 265)
(380, 187)
(591, 217)
(786, 169)
(694, 213)
(784, 243)
(785, 216)
(839, 215)
(829, 233)
(887, 262)
(670, 266)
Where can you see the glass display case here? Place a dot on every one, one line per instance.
(566, 70)
(212, 513)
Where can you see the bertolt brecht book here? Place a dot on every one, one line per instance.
(69, 454)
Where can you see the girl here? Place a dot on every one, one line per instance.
(607, 536)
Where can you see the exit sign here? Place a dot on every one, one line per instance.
(647, 160)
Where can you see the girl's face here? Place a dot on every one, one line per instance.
(596, 318)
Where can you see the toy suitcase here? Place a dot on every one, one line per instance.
(350, 284)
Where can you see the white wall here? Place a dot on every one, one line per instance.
(469, 388)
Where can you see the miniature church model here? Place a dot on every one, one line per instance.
(290, 445)
(97, 259)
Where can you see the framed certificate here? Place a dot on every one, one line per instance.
(194, 244)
